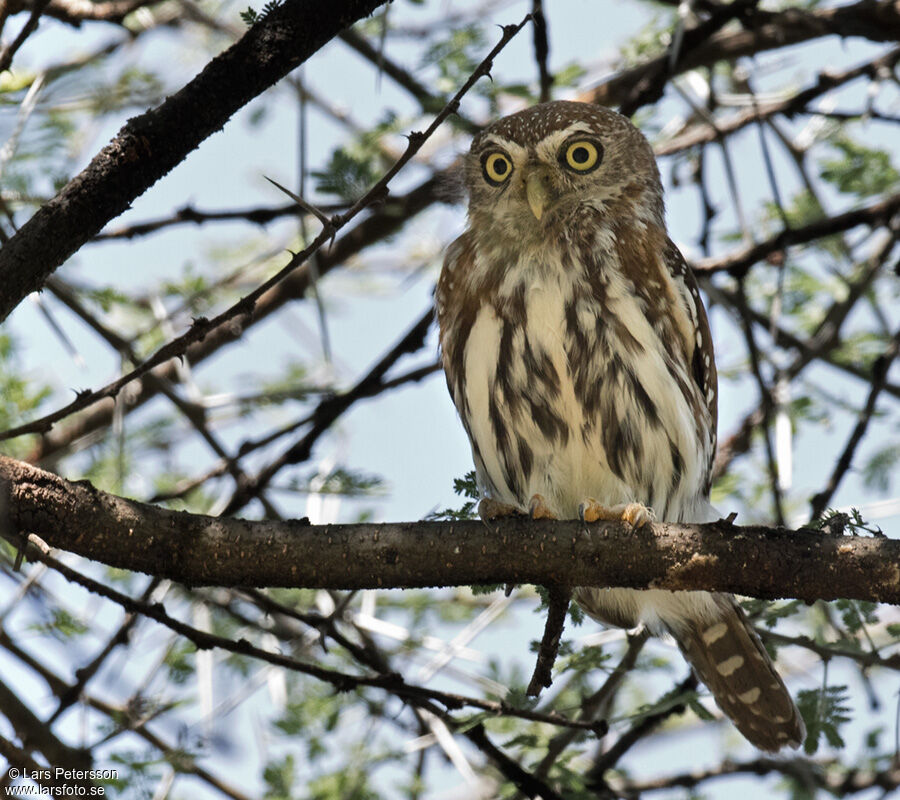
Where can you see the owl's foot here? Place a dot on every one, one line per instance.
(537, 508)
(489, 508)
(635, 514)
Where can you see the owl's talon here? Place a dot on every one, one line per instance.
(537, 508)
(590, 511)
(489, 509)
(635, 514)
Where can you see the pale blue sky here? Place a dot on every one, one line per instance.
(411, 437)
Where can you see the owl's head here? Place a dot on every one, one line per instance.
(539, 168)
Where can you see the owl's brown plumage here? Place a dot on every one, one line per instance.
(578, 353)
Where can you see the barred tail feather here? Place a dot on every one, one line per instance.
(729, 658)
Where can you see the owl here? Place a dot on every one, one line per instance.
(578, 354)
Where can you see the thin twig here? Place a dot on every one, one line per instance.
(639, 729)
(838, 782)
(738, 262)
(185, 487)
(767, 403)
(342, 681)
(541, 49)
(880, 370)
(828, 650)
(28, 28)
(242, 311)
(824, 82)
(328, 411)
(558, 598)
(596, 705)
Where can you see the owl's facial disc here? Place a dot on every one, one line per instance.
(546, 180)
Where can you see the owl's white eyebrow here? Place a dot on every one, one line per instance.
(578, 127)
(490, 139)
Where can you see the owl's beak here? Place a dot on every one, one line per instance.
(536, 191)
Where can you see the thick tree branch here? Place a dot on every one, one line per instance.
(150, 145)
(198, 549)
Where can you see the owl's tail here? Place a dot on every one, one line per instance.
(729, 658)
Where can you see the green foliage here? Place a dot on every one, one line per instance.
(466, 486)
(180, 663)
(650, 40)
(340, 481)
(486, 588)
(108, 465)
(581, 659)
(138, 772)
(313, 711)
(310, 716)
(190, 284)
(292, 383)
(456, 56)
(20, 396)
(727, 486)
(572, 778)
(803, 208)
(860, 348)
(61, 625)
(576, 614)
(570, 75)
(350, 173)
(824, 711)
(671, 701)
(132, 87)
(769, 612)
(859, 170)
(343, 784)
(354, 168)
(250, 16)
(881, 467)
(466, 511)
(107, 298)
(857, 613)
(279, 777)
(840, 521)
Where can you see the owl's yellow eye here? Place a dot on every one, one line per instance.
(497, 167)
(581, 155)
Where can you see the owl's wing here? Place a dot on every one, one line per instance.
(700, 350)
(455, 316)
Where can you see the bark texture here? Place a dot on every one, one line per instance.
(197, 549)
